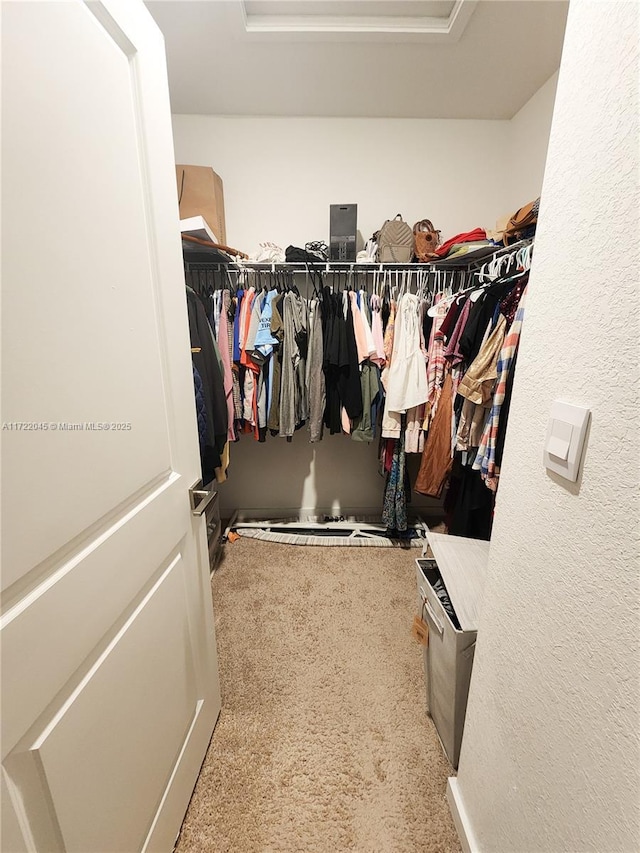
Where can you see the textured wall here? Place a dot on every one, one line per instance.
(551, 757)
(528, 143)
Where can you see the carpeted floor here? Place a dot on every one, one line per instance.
(323, 743)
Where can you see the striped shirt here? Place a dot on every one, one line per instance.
(486, 457)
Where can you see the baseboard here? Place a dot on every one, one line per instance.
(460, 817)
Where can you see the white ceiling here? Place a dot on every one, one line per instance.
(396, 59)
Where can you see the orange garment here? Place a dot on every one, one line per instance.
(250, 410)
(436, 457)
(247, 303)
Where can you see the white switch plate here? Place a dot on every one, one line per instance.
(566, 433)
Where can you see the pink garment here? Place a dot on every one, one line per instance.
(376, 330)
(223, 346)
(358, 328)
(371, 347)
(345, 421)
(414, 434)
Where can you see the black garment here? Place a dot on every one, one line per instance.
(294, 254)
(349, 384)
(427, 323)
(481, 313)
(340, 362)
(441, 591)
(469, 503)
(449, 322)
(204, 358)
(335, 357)
(201, 409)
(385, 313)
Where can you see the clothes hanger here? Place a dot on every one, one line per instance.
(293, 287)
(433, 310)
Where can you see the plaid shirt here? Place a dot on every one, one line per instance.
(486, 458)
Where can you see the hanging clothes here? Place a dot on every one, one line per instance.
(293, 393)
(449, 323)
(207, 363)
(315, 374)
(237, 393)
(367, 366)
(436, 363)
(407, 378)
(452, 354)
(277, 331)
(364, 426)
(340, 362)
(478, 382)
(468, 504)
(349, 379)
(394, 510)
(201, 409)
(480, 316)
(436, 456)
(485, 461)
(225, 345)
(376, 331)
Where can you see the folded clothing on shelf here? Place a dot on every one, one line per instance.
(468, 237)
(294, 254)
(270, 253)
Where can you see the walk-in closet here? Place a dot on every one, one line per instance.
(319, 381)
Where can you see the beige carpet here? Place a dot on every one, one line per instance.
(323, 743)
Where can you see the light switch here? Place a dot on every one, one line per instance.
(560, 439)
(565, 439)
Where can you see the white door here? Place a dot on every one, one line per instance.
(109, 669)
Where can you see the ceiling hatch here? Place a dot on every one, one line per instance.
(435, 21)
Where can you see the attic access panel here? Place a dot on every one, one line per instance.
(439, 20)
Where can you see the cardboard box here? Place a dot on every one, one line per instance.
(200, 193)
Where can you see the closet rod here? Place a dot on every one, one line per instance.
(476, 263)
(473, 264)
(331, 266)
(351, 266)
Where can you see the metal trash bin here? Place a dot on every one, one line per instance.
(461, 565)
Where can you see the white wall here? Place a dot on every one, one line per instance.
(337, 476)
(281, 174)
(551, 754)
(528, 142)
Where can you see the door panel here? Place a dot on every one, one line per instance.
(12, 839)
(99, 242)
(109, 670)
(133, 709)
(104, 575)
